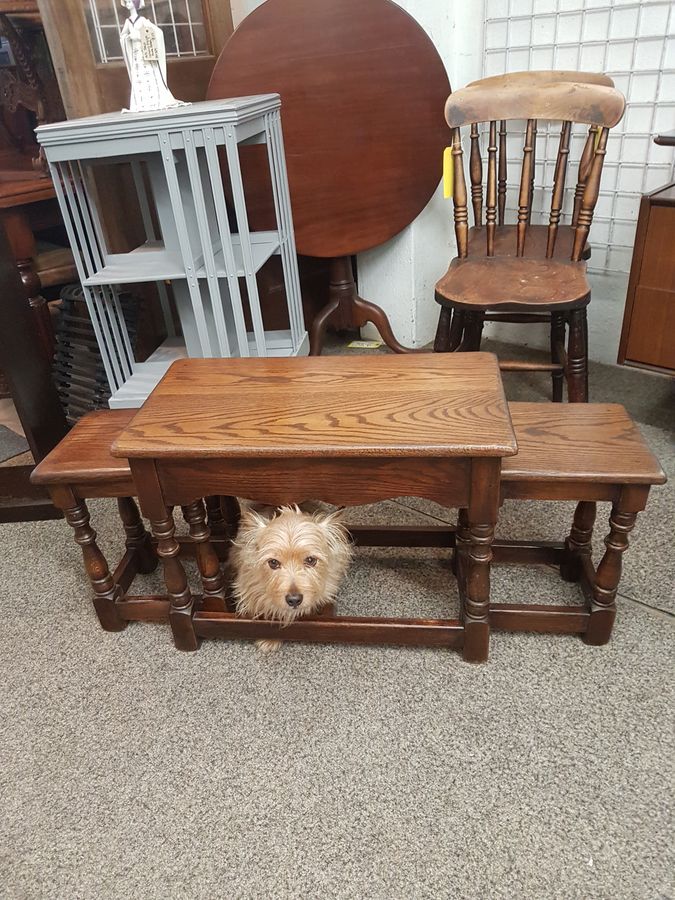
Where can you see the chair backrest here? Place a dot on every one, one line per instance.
(544, 77)
(597, 105)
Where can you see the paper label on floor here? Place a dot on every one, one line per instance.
(364, 345)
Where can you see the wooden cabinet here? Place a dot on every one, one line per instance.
(648, 334)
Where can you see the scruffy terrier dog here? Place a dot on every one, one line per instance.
(289, 565)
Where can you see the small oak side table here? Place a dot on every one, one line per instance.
(343, 430)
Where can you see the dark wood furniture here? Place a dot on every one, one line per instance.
(28, 374)
(589, 453)
(29, 96)
(347, 431)
(581, 452)
(82, 467)
(648, 333)
(477, 284)
(362, 91)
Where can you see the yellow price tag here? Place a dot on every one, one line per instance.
(448, 173)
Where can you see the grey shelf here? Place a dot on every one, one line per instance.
(173, 157)
(153, 262)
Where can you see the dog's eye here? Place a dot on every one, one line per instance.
(311, 561)
(274, 563)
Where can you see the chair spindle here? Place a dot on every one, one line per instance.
(534, 170)
(459, 197)
(525, 184)
(558, 187)
(501, 183)
(491, 207)
(590, 197)
(584, 168)
(476, 175)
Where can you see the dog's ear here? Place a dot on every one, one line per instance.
(330, 518)
(334, 526)
(250, 526)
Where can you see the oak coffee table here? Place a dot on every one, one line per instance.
(345, 430)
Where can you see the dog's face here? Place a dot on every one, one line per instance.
(290, 565)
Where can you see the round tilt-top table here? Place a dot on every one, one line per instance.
(362, 95)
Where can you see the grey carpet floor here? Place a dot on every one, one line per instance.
(132, 771)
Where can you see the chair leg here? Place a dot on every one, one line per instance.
(557, 338)
(450, 330)
(442, 340)
(603, 607)
(473, 331)
(577, 362)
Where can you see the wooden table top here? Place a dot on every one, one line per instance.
(419, 405)
(362, 95)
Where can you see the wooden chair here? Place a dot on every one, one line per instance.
(525, 272)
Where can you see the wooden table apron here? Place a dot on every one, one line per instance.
(470, 483)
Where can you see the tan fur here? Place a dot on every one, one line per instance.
(291, 537)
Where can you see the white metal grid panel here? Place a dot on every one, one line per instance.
(632, 42)
(181, 21)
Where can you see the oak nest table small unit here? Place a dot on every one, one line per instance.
(348, 431)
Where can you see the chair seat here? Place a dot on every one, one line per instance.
(516, 283)
(83, 456)
(536, 239)
(590, 442)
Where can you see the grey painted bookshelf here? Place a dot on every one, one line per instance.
(175, 163)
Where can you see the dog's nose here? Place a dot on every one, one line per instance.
(294, 599)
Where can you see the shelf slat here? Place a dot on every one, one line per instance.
(153, 262)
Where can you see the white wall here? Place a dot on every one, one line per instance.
(400, 276)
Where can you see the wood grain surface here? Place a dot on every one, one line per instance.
(421, 405)
(362, 94)
(344, 481)
(592, 104)
(84, 453)
(543, 76)
(596, 442)
(515, 283)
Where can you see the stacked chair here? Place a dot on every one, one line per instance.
(525, 272)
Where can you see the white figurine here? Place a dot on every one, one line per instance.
(145, 57)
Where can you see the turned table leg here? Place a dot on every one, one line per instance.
(106, 592)
(606, 582)
(213, 581)
(580, 541)
(182, 603)
(137, 538)
(475, 561)
(461, 548)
